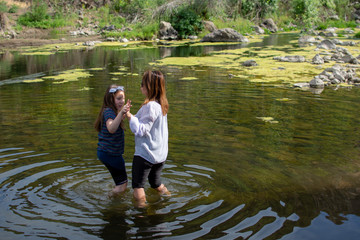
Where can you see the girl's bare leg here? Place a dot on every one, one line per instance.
(162, 190)
(120, 188)
(140, 198)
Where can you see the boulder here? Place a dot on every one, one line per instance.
(167, 32)
(269, 25)
(317, 83)
(317, 59)
(306, 39)
(295, 58)
(249, 63)
(326, 44)
(258, 30)
(224, 35)
(210, 26)
(4, 22)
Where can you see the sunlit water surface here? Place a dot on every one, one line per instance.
(231, 174)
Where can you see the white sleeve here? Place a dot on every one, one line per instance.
(142, 124)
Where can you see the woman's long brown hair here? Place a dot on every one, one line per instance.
(107, 103)
(154, 83)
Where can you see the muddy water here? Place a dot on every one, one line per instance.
(246, 160)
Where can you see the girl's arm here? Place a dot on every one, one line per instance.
(140, 126)
(113, 124)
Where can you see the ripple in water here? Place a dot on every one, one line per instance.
(44, 198)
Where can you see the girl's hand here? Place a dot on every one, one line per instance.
(128, 115)
(125, 108)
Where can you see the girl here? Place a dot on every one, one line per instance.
(110, 126)
(151, 136)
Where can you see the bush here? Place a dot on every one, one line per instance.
(337, 24)
(144, 32)
(357, 35)
(3, 7)
(241, 25)
(13, 9)
(186, 22)
(38, 17)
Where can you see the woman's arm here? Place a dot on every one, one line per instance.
(143, 124)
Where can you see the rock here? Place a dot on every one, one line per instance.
(224, 35)
(318, 59)
(316, 83)
(167, 32)
(89, 43)
(330, 34)
(326, 44)
(258, 30)
(334, 17)
(348, 43)
(4, 22)
(327, 59)
(192, 37)
(306, 39)
(295, 58)
(335, 81)
(269, 25)
(110, 39)
(249, 63)
(349, 31)
(123, 40)
(109, 28)
(356, 80)
(301, 85)
(331, 29)
(210, 26)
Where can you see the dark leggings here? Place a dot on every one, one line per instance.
(142, 169)
(115, 165)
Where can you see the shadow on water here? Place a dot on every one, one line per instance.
(231, 174)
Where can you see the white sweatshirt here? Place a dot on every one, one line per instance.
(151, 133)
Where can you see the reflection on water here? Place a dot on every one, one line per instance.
(231, 174)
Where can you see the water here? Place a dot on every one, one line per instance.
(231, 175)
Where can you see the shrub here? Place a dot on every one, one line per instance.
(186, 22)
(357, 35)
(3, 7)
(38, 17)
(13, 9)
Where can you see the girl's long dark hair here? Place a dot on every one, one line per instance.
(154, 82)
(107, 103)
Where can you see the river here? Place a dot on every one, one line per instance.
(246, 160)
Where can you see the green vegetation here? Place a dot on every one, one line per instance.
(39, 17)
(357, 35)
(140, 18)
(186, 22)
(3, 7)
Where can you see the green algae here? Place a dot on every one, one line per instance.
(33, 80)
(268, 119)
(283, 99)
(85, 89)
(69, 76)
(50, 49)
(268, 69)
(188, 78)
(96, 69)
